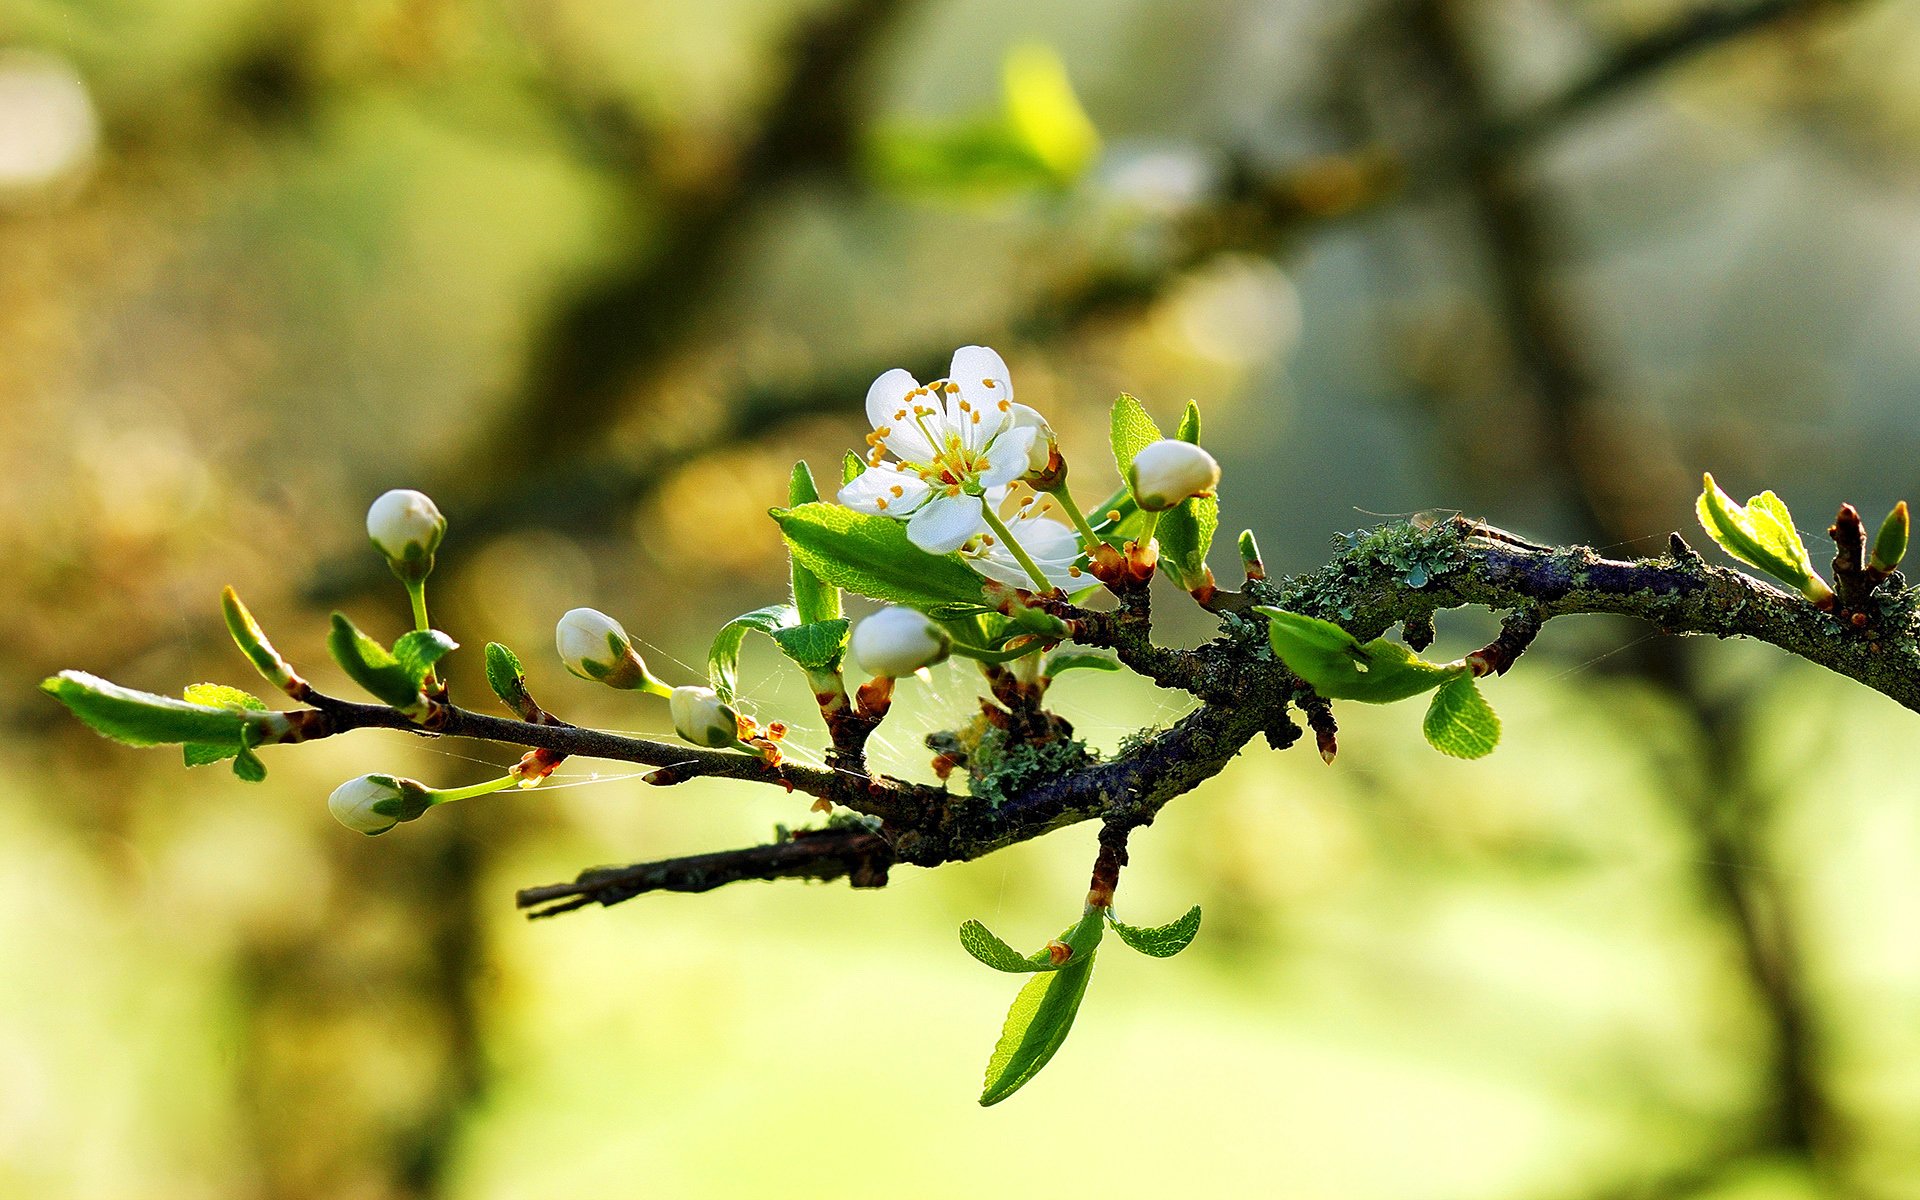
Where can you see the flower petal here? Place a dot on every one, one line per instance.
(885, 490)
(981, 376)
(1007, 457)
(945, 522)
(890, 411)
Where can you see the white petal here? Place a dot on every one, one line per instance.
(884, 490)
(1046, 538)
(982, 378)
(890, 407)
(944, 523)
(1007, 459)
(1002, 568)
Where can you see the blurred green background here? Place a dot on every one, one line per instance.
(595, 272)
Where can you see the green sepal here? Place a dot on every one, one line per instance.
(872, 555)
(372, 666)
(219, 695)
(416, 652)
(817, 646)
(814, 599)
(1891, 544)
(253, 642)
(1159, 941)
(1042, 1014)
(1132, 429)
(1460, 722)
(1761, 535)
(986, 946)
(1337, 667)
(506, 677)
(137, 718)
(1186, 530)
(1077, 660)
(723, 657)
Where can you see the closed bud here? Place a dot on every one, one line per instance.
(700, 717)
(896, 642)
(373, 804)
(1040, 453)
(1168, 472)
(406, 526)
(593, 646)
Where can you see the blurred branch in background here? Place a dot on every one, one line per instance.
(601, 355)
(1577, 442)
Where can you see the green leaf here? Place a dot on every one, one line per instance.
(139, 718)
(1159, 941)
(1042, 1015)
(1077, 660)
(1460, 722)
(815, 647)
(852, 467)
(982, 943)
(1890, 546)
(1189, 431)
(1338, 667)
(723, 657)
(1760, 535)
(247, 765)
(416, 652)
(252, 640)
(1133, 430)
(506, 676)
(812, 597)
(218, 695)
(1044, 112)
(368, 664)
(871, 555)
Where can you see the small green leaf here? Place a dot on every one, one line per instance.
(253, 642)
(815, 647)
(369, 664)
(416, 652)
(723, 657)
(871, 555)
(984, 945)
(217, 695)
(139, 718)
(1133, 431)
(1042, 1015)
(1159, 941)
(1335, 664)
(812, 597)
(247, 765)
(1460, 722)
(506, 676)
(1891, 544)
(1077, 660)
(1762, 536)
(852, 467)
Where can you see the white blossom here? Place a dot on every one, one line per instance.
(1050, 542)
(406, 526)
(952, 440)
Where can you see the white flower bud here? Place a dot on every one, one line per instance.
(1040, 453)
(700, 717)
(1168, 472)
(896, 642)
(376, 803)
(406, 526)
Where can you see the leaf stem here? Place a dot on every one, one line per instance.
(448, 795)
(417, 596)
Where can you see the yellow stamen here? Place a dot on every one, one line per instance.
(987, 383)
(881, 502)
(897, 490)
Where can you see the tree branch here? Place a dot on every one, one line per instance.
(1244, 692)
